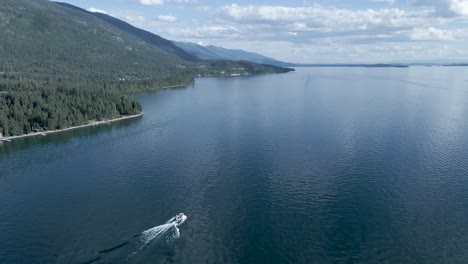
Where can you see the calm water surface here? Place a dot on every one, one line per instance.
(323, 165)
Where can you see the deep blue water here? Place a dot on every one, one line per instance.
(322, 165)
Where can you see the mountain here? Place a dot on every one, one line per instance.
(63, 66)
(144, 35)
(219, 53)
(46, 39)
(40, 37)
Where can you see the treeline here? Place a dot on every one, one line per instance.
(15, 81)
(37, 99)
(44, 108)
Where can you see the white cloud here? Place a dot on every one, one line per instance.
(317, 23)
(152, 2)
(320, 25)
(431, 33)
(324, 18)
(167, 18)
(96, 10)
(319, 33)
(445, 8)
(459, 7)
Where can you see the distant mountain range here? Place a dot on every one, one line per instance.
(219, 53)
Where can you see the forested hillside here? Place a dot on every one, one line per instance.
(144, 35)
(62, 66)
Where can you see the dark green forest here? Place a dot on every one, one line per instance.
(39, 104)
(49, 109)
(62, 66)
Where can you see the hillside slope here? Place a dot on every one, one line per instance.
(42, 37)
(143, 35)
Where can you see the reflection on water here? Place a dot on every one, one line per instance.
(321, 165)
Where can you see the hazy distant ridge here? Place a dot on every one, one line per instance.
(219, 53)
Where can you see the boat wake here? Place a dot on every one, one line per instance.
(165, 234)
(169, 231)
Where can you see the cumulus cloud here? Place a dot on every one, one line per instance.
(459, 7)
(315, 32)
(321, 25)
(316, 23)
(432, 33)
(96, 10)
(152, 2)
(319, 17)
(445, 8)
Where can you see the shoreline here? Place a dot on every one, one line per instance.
(43, 133)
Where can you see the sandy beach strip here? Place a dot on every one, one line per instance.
(42, 133)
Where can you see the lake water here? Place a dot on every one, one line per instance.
(321, 165)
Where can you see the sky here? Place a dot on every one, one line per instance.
(321, 31)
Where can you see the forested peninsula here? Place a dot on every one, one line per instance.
(62, 66)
